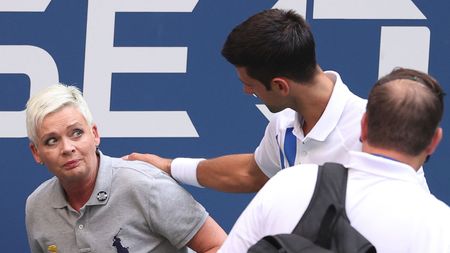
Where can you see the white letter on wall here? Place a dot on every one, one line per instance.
(367, 9)
(40, 68)
(407, 47)
(103, 59)
(24, 5)
(32, 61)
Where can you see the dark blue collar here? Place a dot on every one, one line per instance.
(386, 157)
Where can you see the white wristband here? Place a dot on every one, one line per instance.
(184, 170)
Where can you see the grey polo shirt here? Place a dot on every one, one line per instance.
(134, 208)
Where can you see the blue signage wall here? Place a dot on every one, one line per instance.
(156, 82)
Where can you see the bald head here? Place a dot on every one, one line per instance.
(404, 110)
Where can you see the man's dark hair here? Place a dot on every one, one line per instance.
(273, 43)
(404, 110)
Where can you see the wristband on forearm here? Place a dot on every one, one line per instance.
(184, 170)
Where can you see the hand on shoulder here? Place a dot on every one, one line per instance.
(157, 161)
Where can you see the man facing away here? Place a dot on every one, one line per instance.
(318, 116)
(385, 200)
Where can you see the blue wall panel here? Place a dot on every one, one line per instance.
(207, 90)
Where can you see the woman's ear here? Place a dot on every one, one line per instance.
(35, 153)
(96, 135)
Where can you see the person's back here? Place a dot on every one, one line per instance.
(399, 132)
(385, 200)
(388, 205)
(392, 211)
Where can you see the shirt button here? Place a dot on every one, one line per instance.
(304, 153)
(80, 226)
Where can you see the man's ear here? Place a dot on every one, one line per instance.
(363, 136)
(281, 85)
(437, 137)
(35, 153)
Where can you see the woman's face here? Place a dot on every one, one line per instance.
(66, 144)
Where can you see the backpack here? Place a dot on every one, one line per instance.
(324, 227)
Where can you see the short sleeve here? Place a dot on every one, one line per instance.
(173, 212)
(34, 246)
(267, 154)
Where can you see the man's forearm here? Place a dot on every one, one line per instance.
(231, 173)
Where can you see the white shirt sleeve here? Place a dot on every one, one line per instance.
(267, 154)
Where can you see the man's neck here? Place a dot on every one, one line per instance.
(414, 161)
(312, 99)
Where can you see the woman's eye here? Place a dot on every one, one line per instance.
(50, 141)
(77, 132)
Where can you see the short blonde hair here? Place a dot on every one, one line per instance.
(52, 99)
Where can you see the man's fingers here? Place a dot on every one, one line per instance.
(133, 157)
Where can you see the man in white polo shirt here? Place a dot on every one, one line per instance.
(385, 200)
(317, 116)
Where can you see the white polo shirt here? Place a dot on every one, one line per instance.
(385, 202)
(337, 132)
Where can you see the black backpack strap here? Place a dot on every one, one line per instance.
(324, 227)
(327, 202)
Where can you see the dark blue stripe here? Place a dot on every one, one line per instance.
(290, 146)
(281, 154)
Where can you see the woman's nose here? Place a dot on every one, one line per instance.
(68, 146)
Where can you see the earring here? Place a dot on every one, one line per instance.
(41, 163)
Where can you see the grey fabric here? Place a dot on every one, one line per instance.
(144, 210)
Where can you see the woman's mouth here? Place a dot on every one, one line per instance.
(71, 164)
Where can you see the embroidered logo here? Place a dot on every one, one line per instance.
(118, 244)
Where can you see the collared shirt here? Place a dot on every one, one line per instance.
(133, 206)
(334, 135)
(385, 202)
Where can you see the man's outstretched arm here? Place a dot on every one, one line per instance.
(230, 173)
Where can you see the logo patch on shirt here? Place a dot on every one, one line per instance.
(117, 243)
